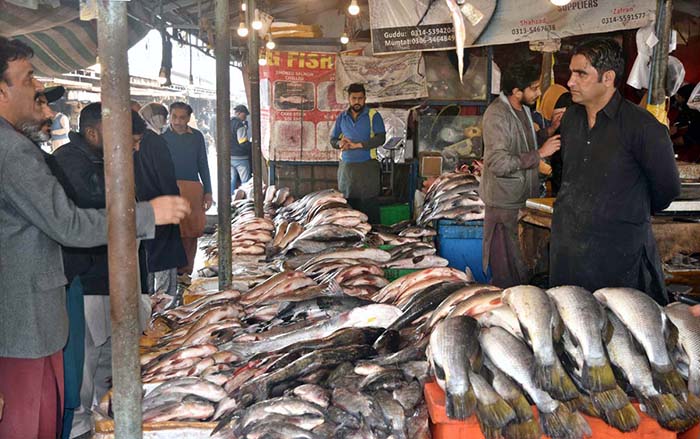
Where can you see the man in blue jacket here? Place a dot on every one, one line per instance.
(358, 132)
(240, 147)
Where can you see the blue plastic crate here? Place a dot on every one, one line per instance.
(461, 245)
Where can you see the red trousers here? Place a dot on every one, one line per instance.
(33, 392)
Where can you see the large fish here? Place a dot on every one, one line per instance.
(515, 359)
(665, 408)
(370, 316)
(453, 347)
(538, 320)
(492, 411)
(688, 327)
(648, 324)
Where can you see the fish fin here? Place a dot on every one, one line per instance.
(522, 408)
(666, 409)
(692, 405)
(527, 429)
(598, 378)
(668, 380)
(586, 406)
(333, 289)
(609, 400)
(625, 419)
(460, 405)
(563, 423)
(671, 334)
(225, 421)
(496, 415)
(566, 389)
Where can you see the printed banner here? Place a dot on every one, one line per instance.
(386, 79)
(298, 106)
(416, 25)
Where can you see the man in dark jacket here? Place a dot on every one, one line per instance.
(618, 169)
(81, 163)
(154, 175)
(240, 147)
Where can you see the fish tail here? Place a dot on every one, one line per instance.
(585, 404)
(522, 408)
(668, 411)
(556, 382)
(495, 415)
(460, 405)
(668, 380)
(609, 400)
(624, 419)
(562, 423)
(692, 405)
(598, 378)
(528, 429)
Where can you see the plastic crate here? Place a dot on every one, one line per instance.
(391, 274)
(394, 213)
(443, 427)
(386, 247)
(461, 245)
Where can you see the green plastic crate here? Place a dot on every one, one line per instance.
(391, 274)
(386, 247)
(394, 213)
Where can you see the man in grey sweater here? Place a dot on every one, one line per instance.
(36, 217)
(511, 159)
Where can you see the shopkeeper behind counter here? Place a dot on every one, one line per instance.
(357, 133)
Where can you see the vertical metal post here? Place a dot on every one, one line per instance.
(119, 181)
(254, 78)
(223, 138)
(660, 57)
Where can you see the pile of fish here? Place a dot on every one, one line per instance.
(569, 352)
(295, 356)
(453, 196)
(316, 222)
(274, 197)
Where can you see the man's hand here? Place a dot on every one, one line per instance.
(551, 146)
(346, 144)
(208, 201)
(169, 209)
(557, 115)
(695, 310)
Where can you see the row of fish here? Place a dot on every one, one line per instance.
(568, 351)
(453, 196)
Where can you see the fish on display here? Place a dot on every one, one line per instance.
(688, 327)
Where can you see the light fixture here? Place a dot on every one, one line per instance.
(242, 30)
(164, 77)
(256, 24)
(262, 59)
(354, 9)
(270, 44)
(344, 39)
(560, 2)
(244, 6)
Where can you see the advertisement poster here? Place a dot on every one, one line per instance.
(298, 106)
(416, 25)
(386, 79)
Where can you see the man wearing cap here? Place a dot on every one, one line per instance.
(240, 147)
(60, 123)
(37, 218)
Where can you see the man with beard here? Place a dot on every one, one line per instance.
(37, 218)
(619, 169)
(358, 132)
(511, 161)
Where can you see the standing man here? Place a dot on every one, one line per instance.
(37, 217)
(154, 175)
(189, 153)
(240, 147)
(618, 170)
(511, 161)
(358, 132)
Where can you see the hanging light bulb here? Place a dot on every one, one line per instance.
(256, 24)
(560, 2)
(354, 9)
(344, 39)
(242, 30)
(270, 44)
(244, 6)
(262, 58)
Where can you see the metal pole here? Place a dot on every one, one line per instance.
(223, 139)
(657, 92)
(254, 76)
(121, 226)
